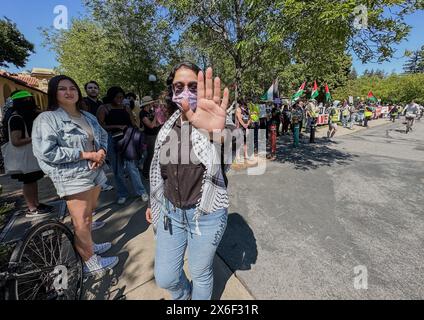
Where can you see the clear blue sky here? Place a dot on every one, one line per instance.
(30, 15)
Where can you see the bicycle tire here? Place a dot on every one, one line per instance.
(27, 258)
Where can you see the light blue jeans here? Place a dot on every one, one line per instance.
(119, 165)
(171, 245)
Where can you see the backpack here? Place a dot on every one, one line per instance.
(132, 145)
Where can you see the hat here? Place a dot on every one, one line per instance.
(21, 94)
(147, 100)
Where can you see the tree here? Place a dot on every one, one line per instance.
(394, 88)
(353, 74)
(256, 36)
(120, 44)
(14, 48)
(415, 62)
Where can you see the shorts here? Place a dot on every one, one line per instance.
(332, 125)
(28, 178)
(80, 185)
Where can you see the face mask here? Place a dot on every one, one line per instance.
(186, 94)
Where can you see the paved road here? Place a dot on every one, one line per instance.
(299, 230)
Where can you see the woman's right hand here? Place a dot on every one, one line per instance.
(149, 215)
(97, 157)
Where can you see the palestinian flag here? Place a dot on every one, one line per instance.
(299, 92)
(371, 97)
(327, 94)
(272, 92)
(315, 92)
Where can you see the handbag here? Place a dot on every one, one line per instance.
(19, 160)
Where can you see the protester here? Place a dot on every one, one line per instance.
(394, 113)
(286, 115)
(115, 118)
(189, 202)
(130, 102)
(71, 147)
(333, 119)
(275, 118)
(255, 113)
(311, 115)
(243, 121)
(17, 131)
(92, 102)
(297, 111)
(352, 116)
(345, 114)
(149, 120)
(368, 113)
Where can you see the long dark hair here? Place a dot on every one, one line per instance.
(52, 92)
(112, 93)
(168, 99)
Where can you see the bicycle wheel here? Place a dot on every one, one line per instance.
(47, 265)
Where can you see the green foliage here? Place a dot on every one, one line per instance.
(14, 48)
(295, 40)
(120, 44)
(249, 43)
(394, 88)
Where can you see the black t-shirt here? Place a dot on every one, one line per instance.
(147, 130)
(118, 117)
(92, 105)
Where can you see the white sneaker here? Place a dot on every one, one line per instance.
(145, 197)
(122, 201)
(107, 187)
(101, 247)
(96, 264)
(96, 225)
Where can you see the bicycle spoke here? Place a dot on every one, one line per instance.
(51, 247)
(32, 262)
(36, 291)
(36, 251)
(30, 287)
(45, 246)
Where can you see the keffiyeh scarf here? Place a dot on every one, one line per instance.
(214, 194)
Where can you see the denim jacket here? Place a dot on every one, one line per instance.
(58, 142)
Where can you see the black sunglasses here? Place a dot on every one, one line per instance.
(179, 87)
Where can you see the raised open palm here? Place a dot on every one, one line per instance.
(211, 110)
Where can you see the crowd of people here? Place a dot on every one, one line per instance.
(78, 139)
(304, 114)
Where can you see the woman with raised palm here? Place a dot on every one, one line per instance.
(189, 200)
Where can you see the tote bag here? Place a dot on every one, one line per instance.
(19, 160)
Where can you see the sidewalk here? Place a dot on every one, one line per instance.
(133, 243)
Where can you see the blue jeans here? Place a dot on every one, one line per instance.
(345, 120)
(119, 165)
(171, 245)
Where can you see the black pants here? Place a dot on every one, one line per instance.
(150, 141)
(286, 124)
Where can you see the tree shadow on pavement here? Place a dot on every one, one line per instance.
(105, 288)
(312, 156)
(237, 249)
